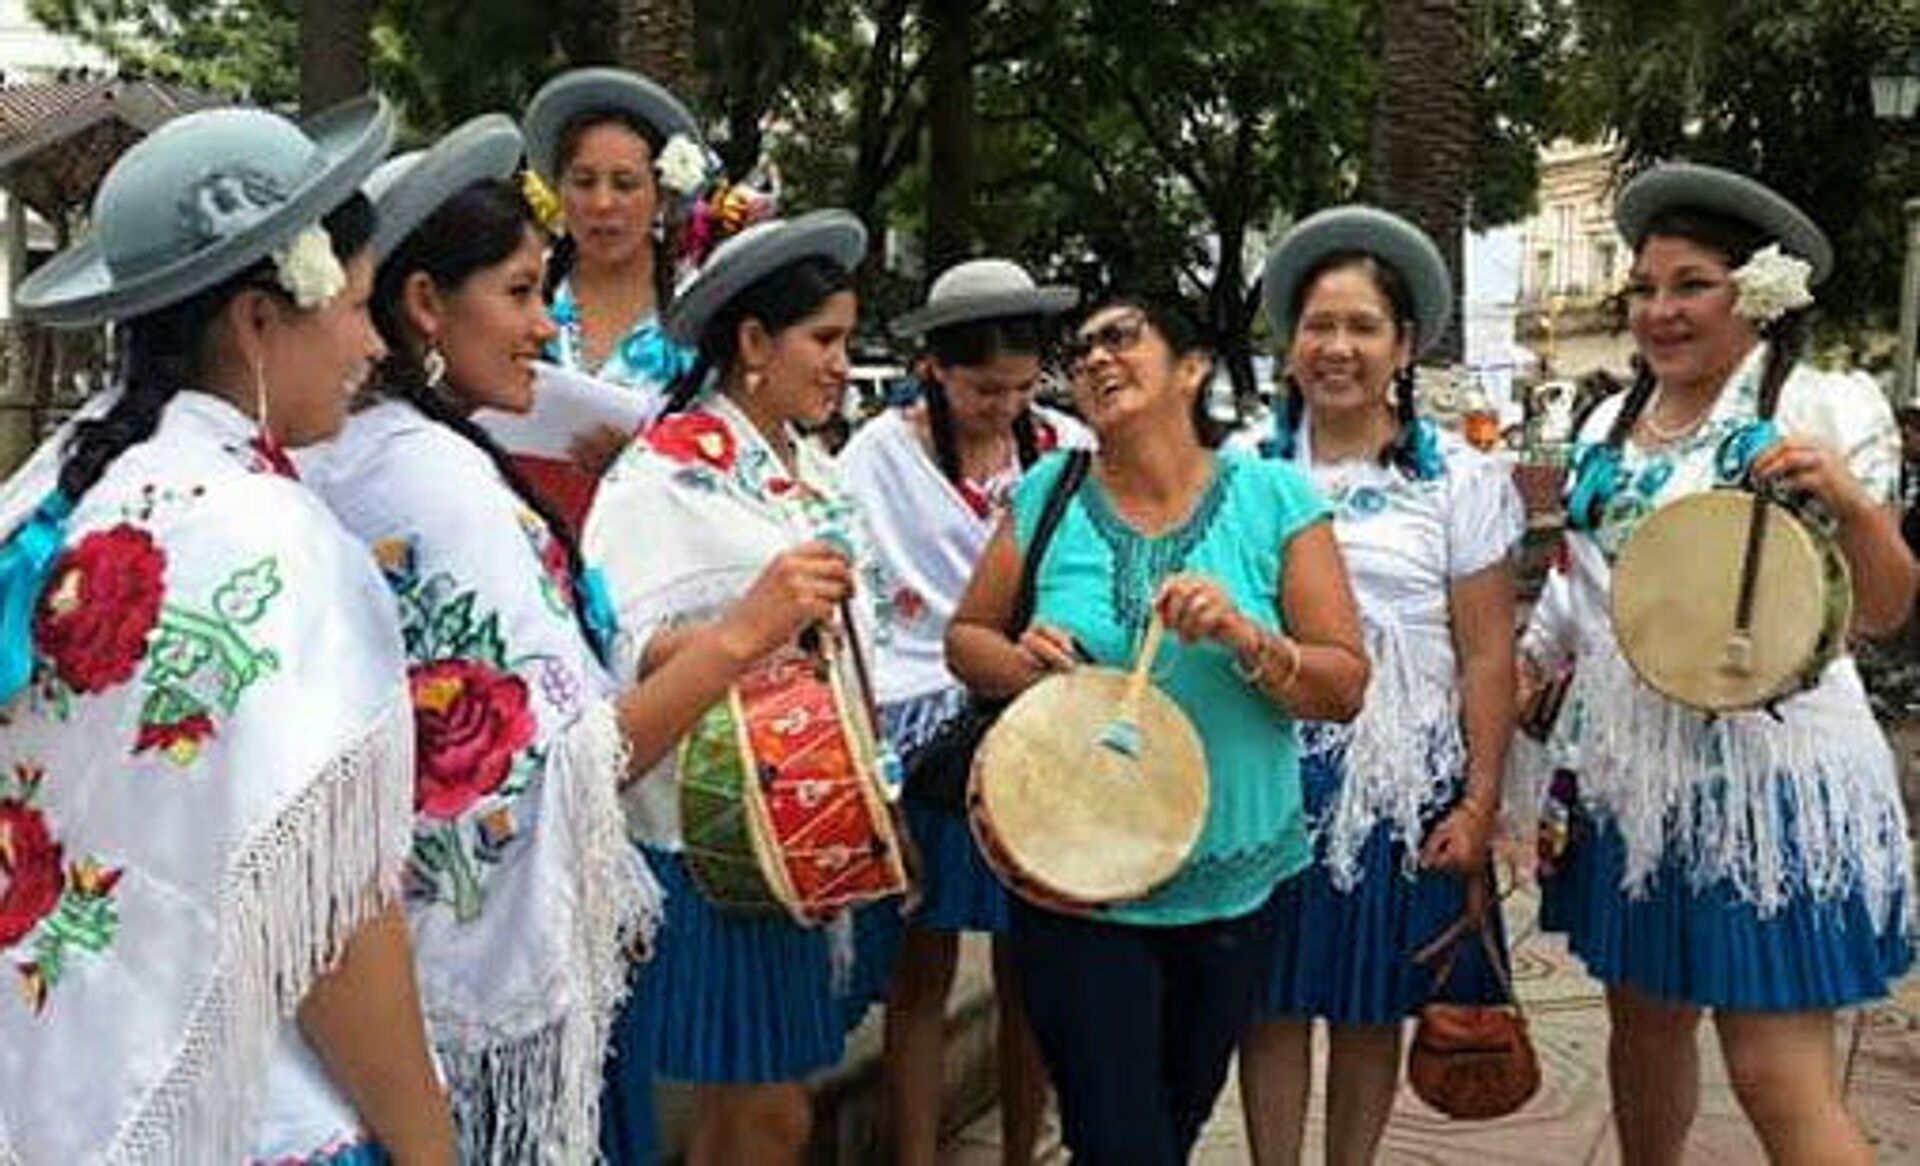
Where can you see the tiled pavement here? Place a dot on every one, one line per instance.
(1567, 1123)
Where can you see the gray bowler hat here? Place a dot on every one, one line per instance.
(984, 289)
(407, 190)
(579, 91)
(1709, 188)
(1388, 238)
(756, 253)
(201, 199)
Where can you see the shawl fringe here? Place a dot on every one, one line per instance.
(296, 893)
(1808, 803)
(1399, 760)
(535, 1097)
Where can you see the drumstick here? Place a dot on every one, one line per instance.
(1122, 733)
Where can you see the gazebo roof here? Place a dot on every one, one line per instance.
(57, 139)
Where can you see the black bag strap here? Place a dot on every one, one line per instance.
(1064, 486)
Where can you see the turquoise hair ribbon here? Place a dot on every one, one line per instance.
(1596, 479)
(1733, 461)
(26, 560)
(1428, 464)
(596, 611)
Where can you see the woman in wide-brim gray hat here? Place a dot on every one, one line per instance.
(627, 165)
(625, 159)
(515, 981)
(721, 506)
(1767, 850)
(218, 694)
(932, 479)
(1405, 796)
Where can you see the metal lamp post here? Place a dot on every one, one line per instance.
(1896, 97)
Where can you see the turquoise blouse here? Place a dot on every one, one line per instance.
(645, 356)
(1098, 581)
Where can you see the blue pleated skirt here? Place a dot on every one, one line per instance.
(958, 891)
(1347, 957)
(730, 998)
(1708, 946)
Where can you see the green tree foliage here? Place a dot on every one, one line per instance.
(248, 48)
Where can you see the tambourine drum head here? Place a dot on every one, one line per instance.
(1676, 586)
(1073, 817)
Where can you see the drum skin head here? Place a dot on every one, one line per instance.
(1676, 585)
(1081, 822)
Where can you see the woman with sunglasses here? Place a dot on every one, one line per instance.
(932, 481)
(1754, 863)
(1138, 1007)
(205, 755)
(1404, 799)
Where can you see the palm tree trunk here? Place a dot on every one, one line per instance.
(1419, 159)
(335, 42)
(656, 38)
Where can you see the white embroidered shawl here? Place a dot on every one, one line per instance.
(927, 538)
(685, 520)
(203, 792)
(522, 889)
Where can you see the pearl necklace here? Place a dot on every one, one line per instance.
(1667, 436)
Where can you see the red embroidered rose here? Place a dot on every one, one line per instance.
(553, 560)
(179, 740)
(103, 601)
(908, 604)
(693, 437)
(1046, 438)
(469, 720)
(30, 878)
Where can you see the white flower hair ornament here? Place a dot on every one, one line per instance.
(308, 270)
(1770, 285)
(682, 165)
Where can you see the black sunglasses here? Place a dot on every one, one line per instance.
(1116, 336)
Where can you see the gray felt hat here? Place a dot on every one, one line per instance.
(757, 252)
(407, 190)
(1709, 188)
(1387, 237)
(579, 91)
(201, 199)
(984, 289)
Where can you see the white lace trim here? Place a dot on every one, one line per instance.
(292, 898)
(522, 1096)
(1399, 760)
(1808, 803)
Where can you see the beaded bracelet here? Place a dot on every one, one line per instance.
(1263, 656)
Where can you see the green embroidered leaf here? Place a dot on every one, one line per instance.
(485, 643)
(243, 598)
(450, 626)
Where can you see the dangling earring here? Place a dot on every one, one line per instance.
(752, 381)
(265, 444)
(433, 365)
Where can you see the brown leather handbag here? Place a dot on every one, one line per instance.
(1471, 1061)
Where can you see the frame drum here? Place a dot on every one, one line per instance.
(1676, 585)
(1069, 824)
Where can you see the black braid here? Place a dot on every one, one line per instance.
(560, 260)
(1401, 452)
(1026, 438)
(1292, 407)
(946, 449)
(1786, 339)
(414, 390)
